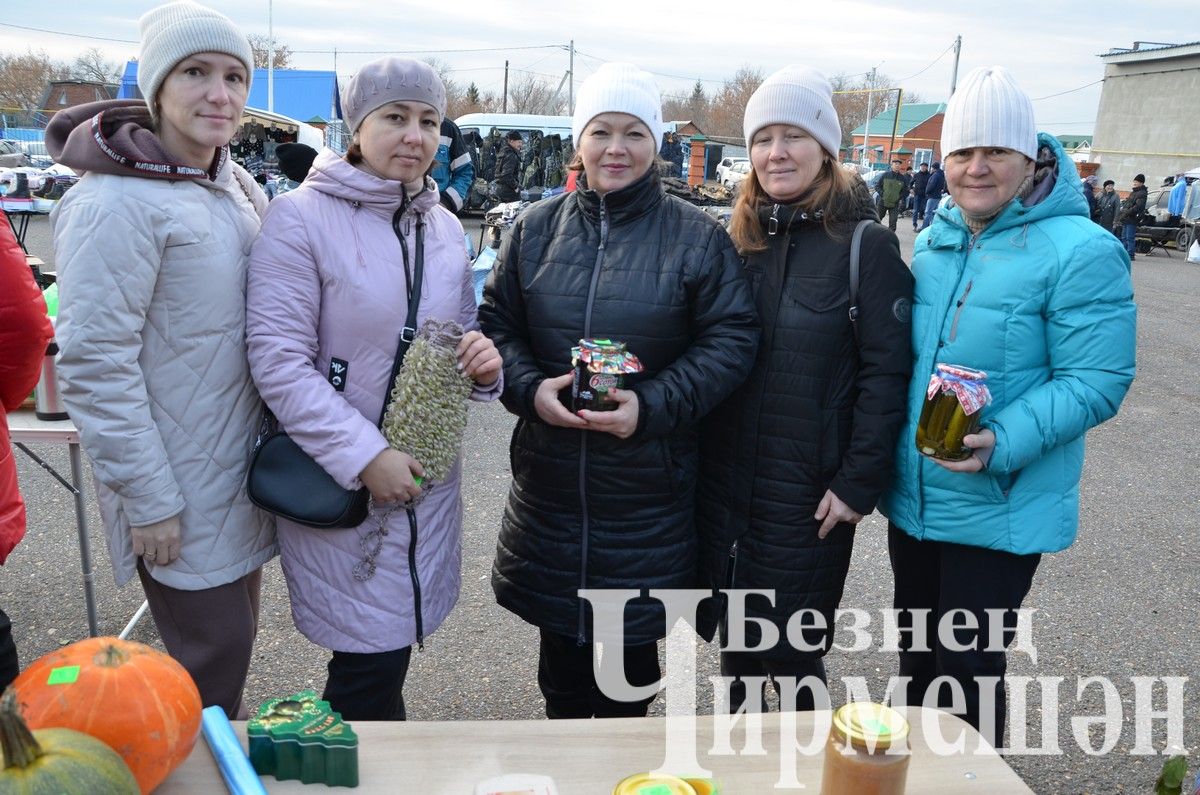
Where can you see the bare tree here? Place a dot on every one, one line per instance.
(475, 101)
(691, 107)
(850, 100)
(24, 79)
(728, 105)
(261, 45)
(91, 65)
(532, 93)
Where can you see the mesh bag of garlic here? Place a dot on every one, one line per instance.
(428, 414)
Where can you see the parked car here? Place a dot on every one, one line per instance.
(1159, 227)
(735, 174)
(727, 163)
(11, 155)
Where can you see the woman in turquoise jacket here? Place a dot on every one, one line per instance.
(1013, 279)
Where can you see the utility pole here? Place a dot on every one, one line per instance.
(954, 74)
(271, 56)
(571, 85)
(504, 108)
(867, 128)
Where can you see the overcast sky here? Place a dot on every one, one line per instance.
(1051, 47)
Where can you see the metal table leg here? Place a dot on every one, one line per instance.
(85, 546)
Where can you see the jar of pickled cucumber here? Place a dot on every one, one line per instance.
(867, 751)
(954, 402)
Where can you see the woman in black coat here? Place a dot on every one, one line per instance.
(606, 499)
(801, 452)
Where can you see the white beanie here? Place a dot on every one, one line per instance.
(799, 96)
(989, 109)
(179, 30)
(619, 88)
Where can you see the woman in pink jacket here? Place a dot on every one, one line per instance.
(328, 294)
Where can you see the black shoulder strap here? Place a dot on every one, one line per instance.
(413, 281)
(855, 252)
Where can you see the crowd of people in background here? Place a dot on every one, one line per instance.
(785, 367)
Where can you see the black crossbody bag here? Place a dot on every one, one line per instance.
(285, 480)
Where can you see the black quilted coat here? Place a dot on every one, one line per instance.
(586, 509)
(819, 411)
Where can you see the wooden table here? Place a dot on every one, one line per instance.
(589, 757)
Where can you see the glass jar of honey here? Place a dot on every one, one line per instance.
(867, 751)
(953, 404)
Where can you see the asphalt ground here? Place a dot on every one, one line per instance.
(1120, 604)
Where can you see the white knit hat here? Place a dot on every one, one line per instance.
(989, 109)
(619, 88)
(799, 96)
(176, 31)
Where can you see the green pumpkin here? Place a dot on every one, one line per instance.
(57, 761)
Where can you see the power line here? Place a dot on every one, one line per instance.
(1068, 91)
(339, 51)
(927, 68)
(64, 33)
(431, 52)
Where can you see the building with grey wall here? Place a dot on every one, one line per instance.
(1149, 116)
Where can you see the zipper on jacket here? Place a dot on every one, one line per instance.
(958, 309)
(773, 221)
(416, 579)
(581, 637)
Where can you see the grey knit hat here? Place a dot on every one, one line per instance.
(799, 96)
(989, 108)
(176, 31)
(391, 80)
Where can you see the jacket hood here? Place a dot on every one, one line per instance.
(333, 175)
(1056, 193)
(117, 137)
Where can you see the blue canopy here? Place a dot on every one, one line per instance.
(301, 94)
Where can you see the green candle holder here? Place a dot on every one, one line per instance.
(300, 737)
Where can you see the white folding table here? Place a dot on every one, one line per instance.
(23, 427)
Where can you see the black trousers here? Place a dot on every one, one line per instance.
(744, 663)
(9, 664)
(941, 577)
(368, 686)
(568, 680)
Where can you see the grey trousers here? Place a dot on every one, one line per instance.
(211, 633)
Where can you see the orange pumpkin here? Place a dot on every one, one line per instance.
(139, 701)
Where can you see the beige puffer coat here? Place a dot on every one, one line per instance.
(151, 327)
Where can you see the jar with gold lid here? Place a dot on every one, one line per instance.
(867, 751)
(954, 401)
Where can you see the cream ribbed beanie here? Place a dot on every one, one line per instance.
(989, 109)
(176, 31)
(619, 88)
(799, 96)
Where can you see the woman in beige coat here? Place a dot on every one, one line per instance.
(152, 248)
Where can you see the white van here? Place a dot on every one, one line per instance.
(483, 123)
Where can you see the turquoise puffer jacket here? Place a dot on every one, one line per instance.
(1043, 301)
